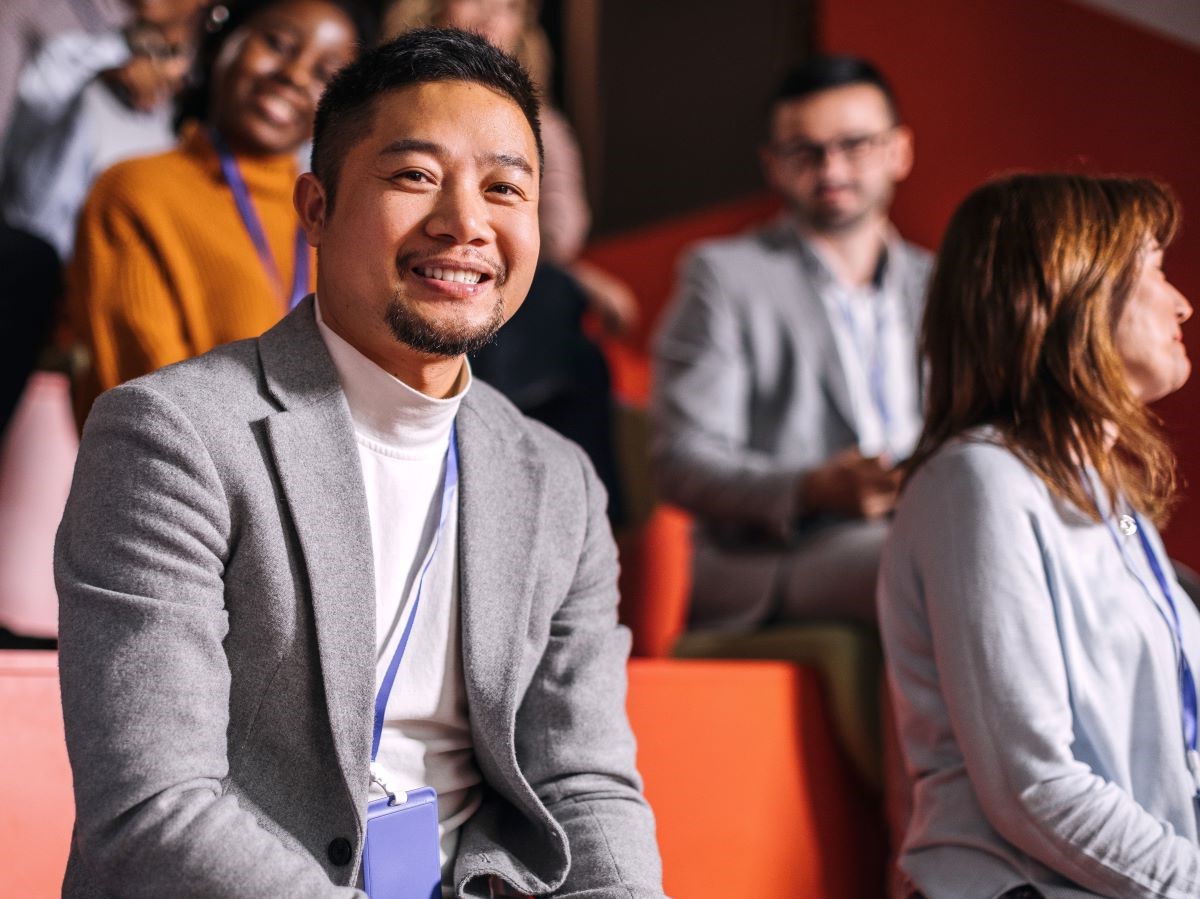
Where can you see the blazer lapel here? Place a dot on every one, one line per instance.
(312, 442)
(501, 494)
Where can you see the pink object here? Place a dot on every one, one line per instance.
(37, 458)
(37, 806)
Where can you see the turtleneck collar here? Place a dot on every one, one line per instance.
(388, 414)
(271, 177)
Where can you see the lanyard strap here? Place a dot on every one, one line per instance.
(449, 483)
(1187, 682)
(876, 376)
(253, 225)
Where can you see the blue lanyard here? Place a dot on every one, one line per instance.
(876, 376)
(253, 225)
(1187, 682)
(449, 484)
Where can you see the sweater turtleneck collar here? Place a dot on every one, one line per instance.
(271, 177)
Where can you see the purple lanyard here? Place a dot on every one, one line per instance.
(253, 225)
(1187, 682)
(876, 375)
(449, 483)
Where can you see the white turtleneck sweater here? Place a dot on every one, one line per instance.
(402, 437)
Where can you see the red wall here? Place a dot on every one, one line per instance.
(1043, 84)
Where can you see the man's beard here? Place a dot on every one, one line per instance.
(452, 339)
(832, 221)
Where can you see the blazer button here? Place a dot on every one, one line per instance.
(340, 851)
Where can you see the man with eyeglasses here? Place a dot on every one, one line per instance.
(786, 381)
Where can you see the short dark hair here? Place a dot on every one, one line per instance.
(826, 72)
(422, 56)
(223, 20)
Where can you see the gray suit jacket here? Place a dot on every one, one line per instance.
(749, 394)
(217, 642)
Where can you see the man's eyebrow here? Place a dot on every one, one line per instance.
(508, 161)
(412, 145)
(416, 145)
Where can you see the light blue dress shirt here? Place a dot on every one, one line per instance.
(1036, 686)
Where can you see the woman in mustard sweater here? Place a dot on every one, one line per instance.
(180, 252)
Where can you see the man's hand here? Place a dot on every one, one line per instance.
(853, 485)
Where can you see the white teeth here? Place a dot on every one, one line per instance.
(450, 274)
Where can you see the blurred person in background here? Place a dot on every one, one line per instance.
(86, 101)
(25, 25)
(1040, 650)
(785, 378)
(190, 249)
(786, 390)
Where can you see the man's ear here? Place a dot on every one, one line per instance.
(901, 153)
(309, 199)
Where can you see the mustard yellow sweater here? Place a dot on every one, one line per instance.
(164, 269)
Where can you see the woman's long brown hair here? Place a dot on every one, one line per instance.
(1030, 280)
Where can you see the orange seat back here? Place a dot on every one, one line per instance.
(751, 795)
(37, 807)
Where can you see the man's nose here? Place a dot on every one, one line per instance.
(460, 215)
(833, 165)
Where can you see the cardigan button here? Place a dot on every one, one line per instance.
(340, 851)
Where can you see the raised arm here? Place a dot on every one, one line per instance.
(145, 682)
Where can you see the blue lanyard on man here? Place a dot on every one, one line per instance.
(401, 855)
(254, 228)
(872, 356)
(1187, 682)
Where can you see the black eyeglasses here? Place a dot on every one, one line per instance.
(854, 148)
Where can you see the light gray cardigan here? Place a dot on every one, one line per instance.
(218, 653)
(1036, 691)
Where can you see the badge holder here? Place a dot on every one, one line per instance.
(401, 858)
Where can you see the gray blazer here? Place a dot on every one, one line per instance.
(217, 642)
(749, 394)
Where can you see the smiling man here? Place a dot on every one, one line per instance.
(786, 373)
(305, 578)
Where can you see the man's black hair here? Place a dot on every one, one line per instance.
(422, 56)
(822, 73)
(223, 20)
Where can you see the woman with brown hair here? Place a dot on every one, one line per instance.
(1040, 651)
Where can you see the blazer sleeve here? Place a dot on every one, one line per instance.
(1000, 668)
(139, 563)
(573, 736)
(701, 408)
